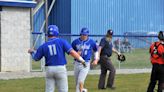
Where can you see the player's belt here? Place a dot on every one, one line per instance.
(158, 64)
(55, 65)
(105, 56)
(85, 60)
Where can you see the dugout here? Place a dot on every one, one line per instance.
(15, 28)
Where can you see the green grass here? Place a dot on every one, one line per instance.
(137, 59)
(124, 83)
(36, 65)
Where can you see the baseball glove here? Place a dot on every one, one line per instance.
(121, 58)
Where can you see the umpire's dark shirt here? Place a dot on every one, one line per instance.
(106, 47)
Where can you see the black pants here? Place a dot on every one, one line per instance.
(157, 74)
(106, 64)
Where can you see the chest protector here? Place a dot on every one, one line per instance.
(155, 52)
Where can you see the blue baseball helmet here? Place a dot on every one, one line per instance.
(53, 30)
(84, 31)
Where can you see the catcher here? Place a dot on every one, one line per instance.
(105, 50)
(157, 60)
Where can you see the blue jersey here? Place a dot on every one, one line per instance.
(53, 51)
(86, 47)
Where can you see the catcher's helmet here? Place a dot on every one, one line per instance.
(110, 32)
(84, 31)
(161, 35)
(53, 30)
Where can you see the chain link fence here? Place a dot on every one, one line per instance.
(135, 48)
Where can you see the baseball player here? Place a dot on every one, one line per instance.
(84, 46)
(105, 50)
(157, 60)
(54, 52)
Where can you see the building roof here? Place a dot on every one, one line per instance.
(18, 3)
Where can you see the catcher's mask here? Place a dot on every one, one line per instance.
(161, 35)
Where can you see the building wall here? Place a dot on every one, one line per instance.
(61, 16)
(99, 15)
(120, 15)
(15, 39)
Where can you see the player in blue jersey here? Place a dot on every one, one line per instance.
(54, 52)
(84, 46)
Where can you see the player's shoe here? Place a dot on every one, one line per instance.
(84, 90)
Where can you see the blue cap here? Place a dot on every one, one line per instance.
(84, 31)
(53, 30)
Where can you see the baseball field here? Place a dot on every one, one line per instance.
(124, 83)
(137, 59)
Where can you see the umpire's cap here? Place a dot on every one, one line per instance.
(109, 33)
(161, 35)
(53, 30)
(84, 31)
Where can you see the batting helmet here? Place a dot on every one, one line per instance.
(84, 31)
(53, 30)
(161, 35)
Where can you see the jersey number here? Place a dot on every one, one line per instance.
(85, 52)
(52, 49)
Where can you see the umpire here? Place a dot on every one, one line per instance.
(157, 60)
(105, 50)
